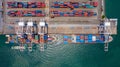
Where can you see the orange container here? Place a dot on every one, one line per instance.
(69, 40)
(41, 40)
(85, 14)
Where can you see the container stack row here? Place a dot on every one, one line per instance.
(53, 12)
(67, 39)
(27, 38)
(26, 4)
(62, 4)
(26, 13)
(26, 8)
(73, 8)
(73, 13)
(84, 38)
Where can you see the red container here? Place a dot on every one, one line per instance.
(80, 15)
(18, 13)
(85, 14)
(38, 15)
(29, 3)
(76, 13)
(43, 5)
(79, 10)
(81, 37)
(91, 13)
(42, 14)
(19, 6)
(65, 15)
(57, 15)
(95, 4)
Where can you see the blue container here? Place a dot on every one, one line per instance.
(38, 11)
(49, 40)
(45, 37)
(77, 37)
(77, 40)
(97, 41)
(95, 14)
(25, 5)
(28, 15)
(56, 2)
(15, 4)
(61, 2)
(82, 41)
(71, 14)
(65, 42)
(33, 6)
(76, 6)
(11, 35)
(74, 11)
(80, 5)
(90, 41)
(25, 36)
(88, 13)
(90, 36)
(91, 7)
(52, 6)
(11, 41)
(27, 40)
(87, 4)
(61, 13)
(66, 37)
(103, 37)
(10, 27)
(56, 6)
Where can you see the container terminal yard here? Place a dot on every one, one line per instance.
(43, 22)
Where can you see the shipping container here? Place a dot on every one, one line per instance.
(36, 37)
(65, 36)
(65, 42)
(45, 37)
(77, 37)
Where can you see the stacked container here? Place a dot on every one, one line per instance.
(38, 9)
(65, 39)
(61, 4)
(26, 4)
(26, 13)
(73, 13)
(82, 40)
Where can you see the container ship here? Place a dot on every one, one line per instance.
(61, 21)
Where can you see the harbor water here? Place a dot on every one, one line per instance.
(69, 55)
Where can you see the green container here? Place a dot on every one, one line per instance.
(36, 37)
